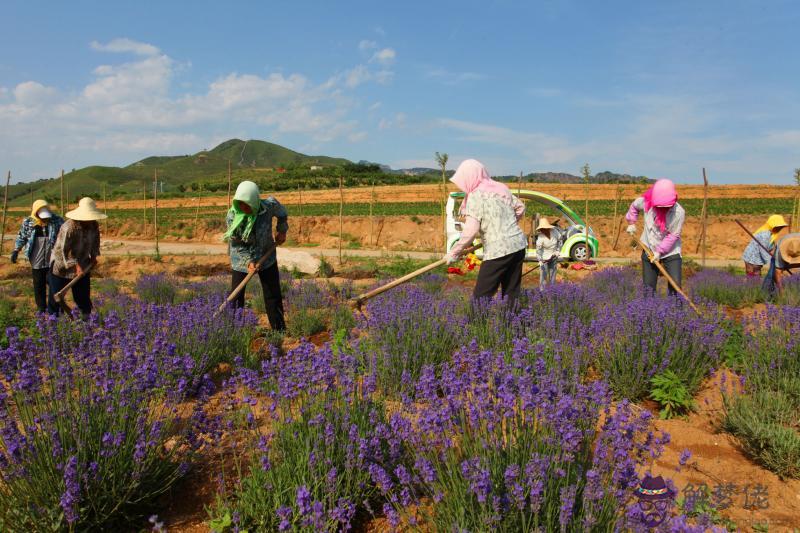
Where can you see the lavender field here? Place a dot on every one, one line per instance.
(424, 412)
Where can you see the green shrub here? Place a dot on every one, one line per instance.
(305, 322)
(669, 390)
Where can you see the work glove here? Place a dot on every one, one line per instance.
(14, 256)
(631, 229)
(656, 257)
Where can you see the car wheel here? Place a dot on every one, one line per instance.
(579, 252)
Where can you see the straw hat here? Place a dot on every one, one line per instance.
(87, 210)
(544, 224)
(790, 249)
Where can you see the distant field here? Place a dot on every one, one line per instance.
(693, 206)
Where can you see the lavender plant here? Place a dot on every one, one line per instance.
(763, 411)
(310, 471)
(158, 288)
(635, 341)
(502, 445)
(90, 430)
(725, 288)
(408, 328)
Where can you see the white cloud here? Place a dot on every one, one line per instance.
(365, 45)
(32, 93)
(131, 109)
(453, 78)
(123, 45)
(384, 56)
(373, 107)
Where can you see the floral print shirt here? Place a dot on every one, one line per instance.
(500, 233)
(74, 245)
(754, 254)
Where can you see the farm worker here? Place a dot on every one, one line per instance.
(76, 250)
(547, 252)
(249, 224)
(492, 211)
(663, 222)
(787, 257)
(756, 256)
(37, 235)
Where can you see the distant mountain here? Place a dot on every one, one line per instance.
(563, 177)
(174, 170)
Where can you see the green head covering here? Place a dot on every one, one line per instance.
(246, 192)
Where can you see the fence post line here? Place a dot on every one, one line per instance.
(372, 215)
(62, 192)
(155, 208)
(300, 223)
(229, 182)
(5, 210)
(341, 216)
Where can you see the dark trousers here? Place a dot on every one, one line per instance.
(504, 272)
(81, 292)
(672, 264)
(41, 290)
(271, 287)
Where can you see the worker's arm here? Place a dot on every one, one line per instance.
(633, 211)
(469, 231)
(25, 230)
(282, 226)
(519, 208)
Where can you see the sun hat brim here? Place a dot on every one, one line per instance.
(85, 215)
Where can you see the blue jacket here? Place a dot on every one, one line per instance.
(25, 235)
(250, 251)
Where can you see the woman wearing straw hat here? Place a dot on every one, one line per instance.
(786, 257)
(249, 231)
(37, 235)
(547, 252)
(663, 223)
(76, 251)
(493, 212)
(755, 256)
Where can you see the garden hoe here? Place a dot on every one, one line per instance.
(753, 237)
(669, 279)
(60, 295)
(239, 288)
(356, 303)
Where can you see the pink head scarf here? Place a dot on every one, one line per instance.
(472, 176)
(661, 196)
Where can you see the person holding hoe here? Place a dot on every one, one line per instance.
(755, 256)
(547, 252)
(75, 253)
(36, 238)
(492, 211)
(785, 257)
(663, 222)
(249, 223)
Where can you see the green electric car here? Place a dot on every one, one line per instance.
(576, 243)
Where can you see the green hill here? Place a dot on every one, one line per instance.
(175, 171)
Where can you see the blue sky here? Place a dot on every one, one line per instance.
(656, 88)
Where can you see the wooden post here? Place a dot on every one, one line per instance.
(229, 182)
(144, 209)
(62, 192)
(372, 215)
(155, 208)
(197, 207)
(519, 183)
(617, 223)
(701, 242)
(67, 206)
(105, 212)
(341, 217)
(5, 207)
(300, 224)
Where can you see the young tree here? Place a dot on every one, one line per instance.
(441, 160)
